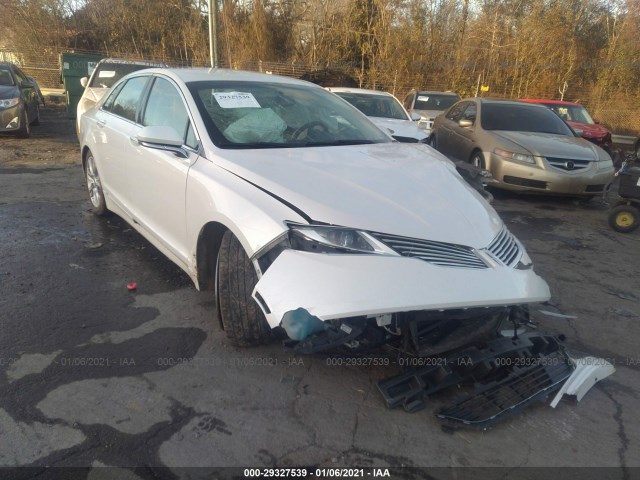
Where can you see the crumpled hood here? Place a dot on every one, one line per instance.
(594, 131)
(402, 128)
(9, 91)
(550, 145)
(402, 189)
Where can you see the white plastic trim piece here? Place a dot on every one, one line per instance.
(589, 370)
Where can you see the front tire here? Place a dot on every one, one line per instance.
(36, 122)
(243, 321)
(477, 160)
(624, 218)
(94, 186)
(25, 130)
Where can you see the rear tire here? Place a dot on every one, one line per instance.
(94, 186)
(624, 218)
(242, 319)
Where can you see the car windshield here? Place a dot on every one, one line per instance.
(6, 79)
(572, 113)
(278, 115)
(521, 118)
(109, 73)
(434, 101)
(372, 105)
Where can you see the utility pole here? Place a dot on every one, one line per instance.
(213, 33)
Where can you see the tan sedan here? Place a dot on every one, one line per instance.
(525, 147)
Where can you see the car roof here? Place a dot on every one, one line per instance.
(126, 61)
(435, 92)
(363, 91)
(505, 101)
(188, 75)
(549, 102)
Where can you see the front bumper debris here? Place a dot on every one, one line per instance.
(508, 374)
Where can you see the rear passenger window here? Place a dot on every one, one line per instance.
(127, 101)
(165, 107)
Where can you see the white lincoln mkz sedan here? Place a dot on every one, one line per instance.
(299, 213)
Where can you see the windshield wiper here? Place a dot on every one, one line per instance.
(335, 143)
(258, 145)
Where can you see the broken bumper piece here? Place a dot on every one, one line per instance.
(508, 375)
(522, 386)
(588, 371)
(494, 362)
(342, 286)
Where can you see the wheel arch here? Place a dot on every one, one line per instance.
(478, 150)
(207, 248)
(85, 151)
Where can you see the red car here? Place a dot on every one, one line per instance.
(579, 119)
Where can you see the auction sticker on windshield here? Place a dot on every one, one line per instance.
(236, 100)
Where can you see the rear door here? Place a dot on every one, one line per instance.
(116, 124)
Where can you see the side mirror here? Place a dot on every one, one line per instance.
(26, 84)
(162, 137)
(465, 123)
(84, 81)
(415, 116)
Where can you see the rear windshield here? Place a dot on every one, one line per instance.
(106, 74)
(277, 115)
(382, 106)
(6, 79)
(522, 118)
(434, 101)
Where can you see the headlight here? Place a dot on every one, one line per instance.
(329, 239)
(517, 157)
(9, 102)
(605, 164)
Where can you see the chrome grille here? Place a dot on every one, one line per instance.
(568, 164)
(437, 253)
(505, 248)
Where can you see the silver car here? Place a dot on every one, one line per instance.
(526, 147)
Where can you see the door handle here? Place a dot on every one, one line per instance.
(134, 140)
(101, 123)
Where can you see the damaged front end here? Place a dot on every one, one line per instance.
(448, 314)
(330, 286)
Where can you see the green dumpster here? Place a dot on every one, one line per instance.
(74, 66)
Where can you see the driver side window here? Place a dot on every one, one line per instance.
(455, 112)
(165, 107)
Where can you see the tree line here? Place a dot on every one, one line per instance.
(578, 50)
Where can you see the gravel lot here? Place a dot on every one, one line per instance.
(94, 375)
